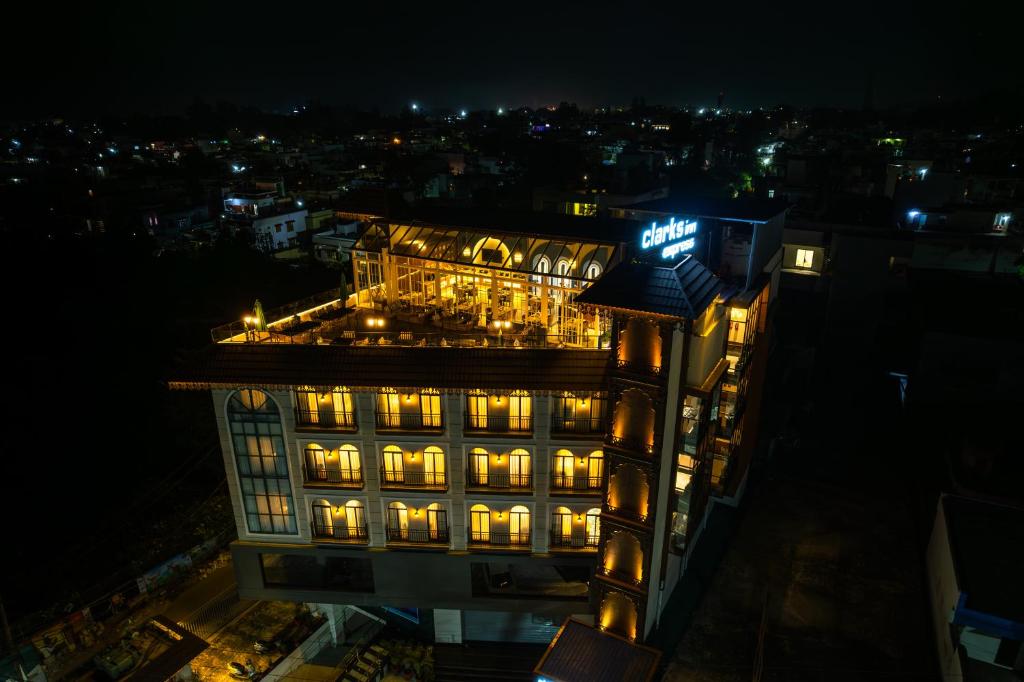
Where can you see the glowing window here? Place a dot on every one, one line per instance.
(804, 258)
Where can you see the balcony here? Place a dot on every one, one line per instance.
(621, 576)
(630, 443)
(499, 481)
(390, 421)
(624, 513)
(318, 476)
(576, 484)
(499, 539)
(475, 423)
(321, 420)
(355, 534)
(579, 425)
(639, 368)
(420, 536)
(560, 540)
(413, 479)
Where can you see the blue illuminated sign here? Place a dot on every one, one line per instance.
(674, 239)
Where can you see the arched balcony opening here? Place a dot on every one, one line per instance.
(618, 614)
(338, 522)
(497, 527)
(323, 466)
(628, 492)
(427, 524)
(639, 348)
(577, 529)
(623, 557)
(583, 473)
(633, 423)
(411, 469)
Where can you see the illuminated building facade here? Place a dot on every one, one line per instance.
(517, 419)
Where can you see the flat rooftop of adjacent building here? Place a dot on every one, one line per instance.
(745, 210)
(582, 653)
(987, 542)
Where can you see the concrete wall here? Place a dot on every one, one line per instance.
(943, 594)
(706, 351)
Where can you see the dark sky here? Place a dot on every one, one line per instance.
(156, 56)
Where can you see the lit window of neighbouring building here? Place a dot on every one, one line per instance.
(255, 424)
(804, 258)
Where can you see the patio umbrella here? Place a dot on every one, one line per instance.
(343, 288)
(261, 320)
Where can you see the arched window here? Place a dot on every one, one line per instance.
(563, 267)
(394, 468)
(256, 435)
(479, 466)
(595, 469)
(349, 467)
(315, 463)
(323, 519)
(437, 522)
(355, 519)
(433, 466)
(593, 271)
(519, 525)
(398, 521)
(593, 527)
(565, 467)
(479, 523)
(561, 526)
(519, 471)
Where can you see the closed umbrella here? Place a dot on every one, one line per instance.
(261, 320)
(344, 289)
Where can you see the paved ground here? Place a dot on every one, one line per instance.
(235, 642)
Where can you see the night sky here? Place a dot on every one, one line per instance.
(156, 57)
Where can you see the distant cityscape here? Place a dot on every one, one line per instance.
(553, 394)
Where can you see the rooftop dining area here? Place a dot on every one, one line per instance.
(418, 285)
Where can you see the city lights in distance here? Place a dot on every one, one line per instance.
(462, 113)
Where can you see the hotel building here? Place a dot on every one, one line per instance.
(510, 419)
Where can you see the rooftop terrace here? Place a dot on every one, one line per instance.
(322, 319)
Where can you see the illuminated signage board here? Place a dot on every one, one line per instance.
(674, 239)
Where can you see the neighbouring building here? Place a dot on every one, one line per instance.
(977, 598)
(274, 223)
(513, 419)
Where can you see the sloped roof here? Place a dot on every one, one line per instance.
(682, 291)
(581, 653)
(283, 365)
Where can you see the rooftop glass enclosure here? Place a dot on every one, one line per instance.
(524, 284)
